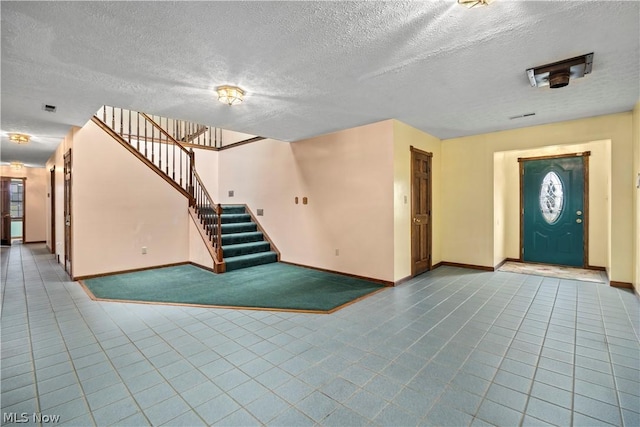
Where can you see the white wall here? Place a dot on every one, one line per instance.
(35, 200)
(507, 199)
(347, 177)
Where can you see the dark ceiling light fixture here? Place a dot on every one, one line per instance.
(474, 3)
(558, 74)
(49, 108)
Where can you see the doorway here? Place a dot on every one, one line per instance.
(554, 209)
(420, 211)
(52, 201)
(13, 212)
(67, 212)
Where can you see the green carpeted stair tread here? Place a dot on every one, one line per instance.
(239, 227)
(227, 218)
(235, 218)
(233, 209)
(245, 248)
(237, 238)
(250, 260)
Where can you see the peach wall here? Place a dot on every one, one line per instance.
(35, 200)
(207, 167)
(348, 179)
(404, 136)
(507, 188)
(468, 194)
(198, 252)
(120, 206)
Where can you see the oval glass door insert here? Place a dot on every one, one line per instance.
(551, 197)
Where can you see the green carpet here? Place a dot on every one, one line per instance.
(274, 286)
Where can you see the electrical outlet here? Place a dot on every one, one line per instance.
(230, 193)
(337, 252)
(144, 250)
(405, 199)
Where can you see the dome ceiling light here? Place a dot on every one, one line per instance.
(19, 138)
(230, 95)
(474, 3)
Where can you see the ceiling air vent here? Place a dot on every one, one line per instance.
(520, 116)
(558, 74)
(49, 108)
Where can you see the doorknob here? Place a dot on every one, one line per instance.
(578, 212)
(416, 221)
(579, 221)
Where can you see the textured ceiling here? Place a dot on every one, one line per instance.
(310, 67)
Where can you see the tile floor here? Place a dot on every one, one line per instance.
(451, 347)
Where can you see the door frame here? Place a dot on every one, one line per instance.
(67, 209)
(413, 151)
(52, 201)
(24, 206)
(585, 200)
(5, 214)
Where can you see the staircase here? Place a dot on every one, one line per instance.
(243, 244)
(232, 235)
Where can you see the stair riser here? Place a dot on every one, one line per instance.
(234, 228)
(225, 210)
(230, 239)
(265, 259)
(226, 219)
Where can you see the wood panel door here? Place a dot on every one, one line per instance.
(420, 211)
(6, 211)
(67, 212)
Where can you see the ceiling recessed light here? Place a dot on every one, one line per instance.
(474, 3)
(19, 138)
(230, 95)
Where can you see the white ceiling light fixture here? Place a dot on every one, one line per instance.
(19, 138)
(230, 95)
(16, 166)
(474, 3)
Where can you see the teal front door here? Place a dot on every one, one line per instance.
(554, 216)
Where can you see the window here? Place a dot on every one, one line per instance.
(17, 201)
(551, 197)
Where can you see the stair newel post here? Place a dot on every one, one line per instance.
(192, 168)
(219, 232)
